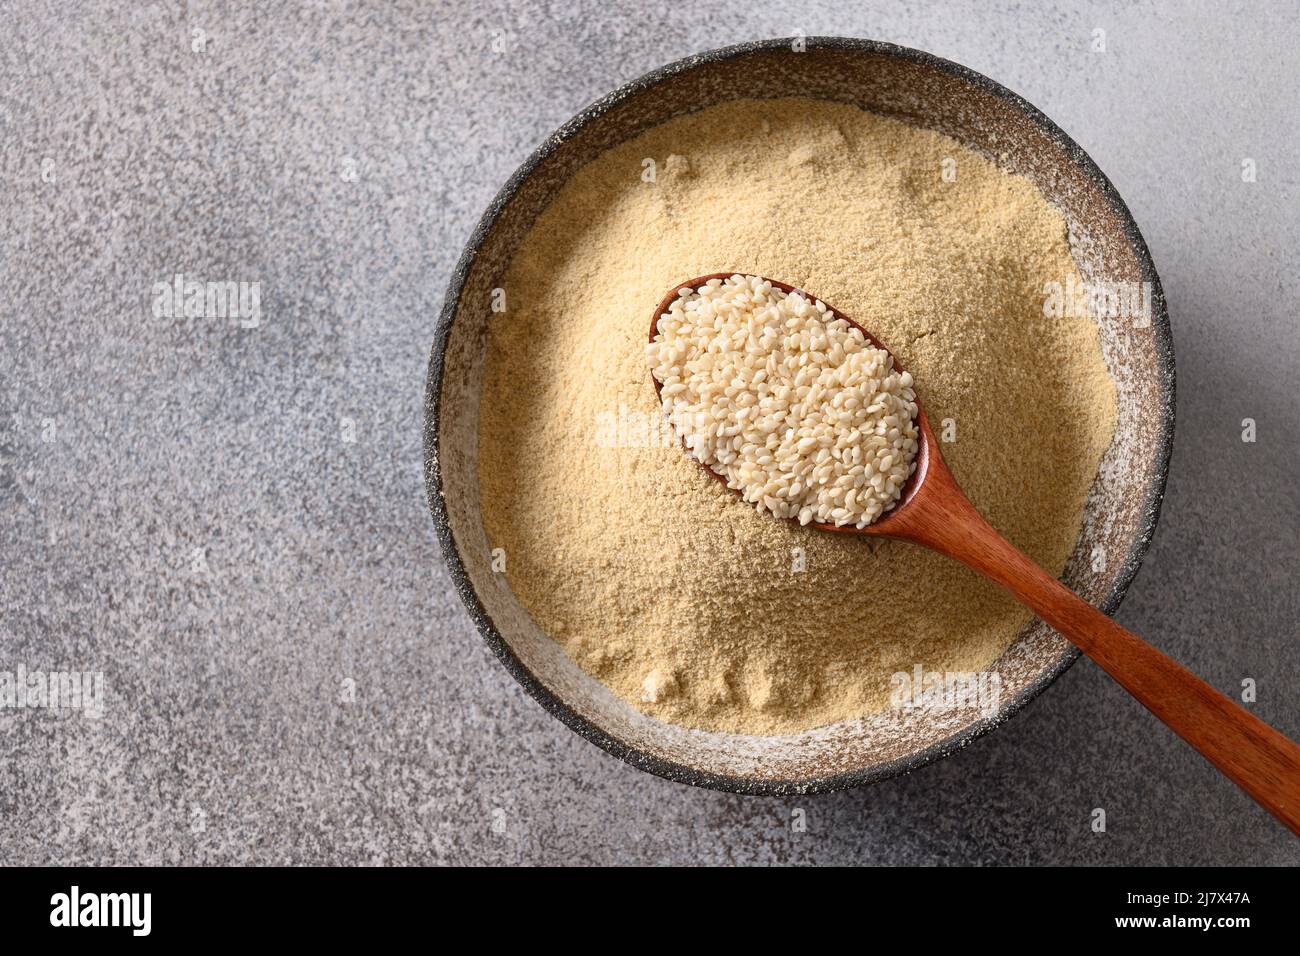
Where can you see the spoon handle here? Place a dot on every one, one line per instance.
(1257, 758)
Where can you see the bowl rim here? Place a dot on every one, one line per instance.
(682, 773)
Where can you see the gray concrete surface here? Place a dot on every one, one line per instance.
(287, 676)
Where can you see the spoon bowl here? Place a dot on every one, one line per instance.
(887, 524)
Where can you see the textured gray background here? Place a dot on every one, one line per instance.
(127, 156)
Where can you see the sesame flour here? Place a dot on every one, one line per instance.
(686, 601)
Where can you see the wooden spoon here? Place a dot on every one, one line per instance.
(933, 511)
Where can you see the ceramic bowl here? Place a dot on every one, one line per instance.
(1122, 510)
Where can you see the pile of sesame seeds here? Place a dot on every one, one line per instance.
(787, 402)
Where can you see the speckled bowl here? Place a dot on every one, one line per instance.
(1122, 510)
